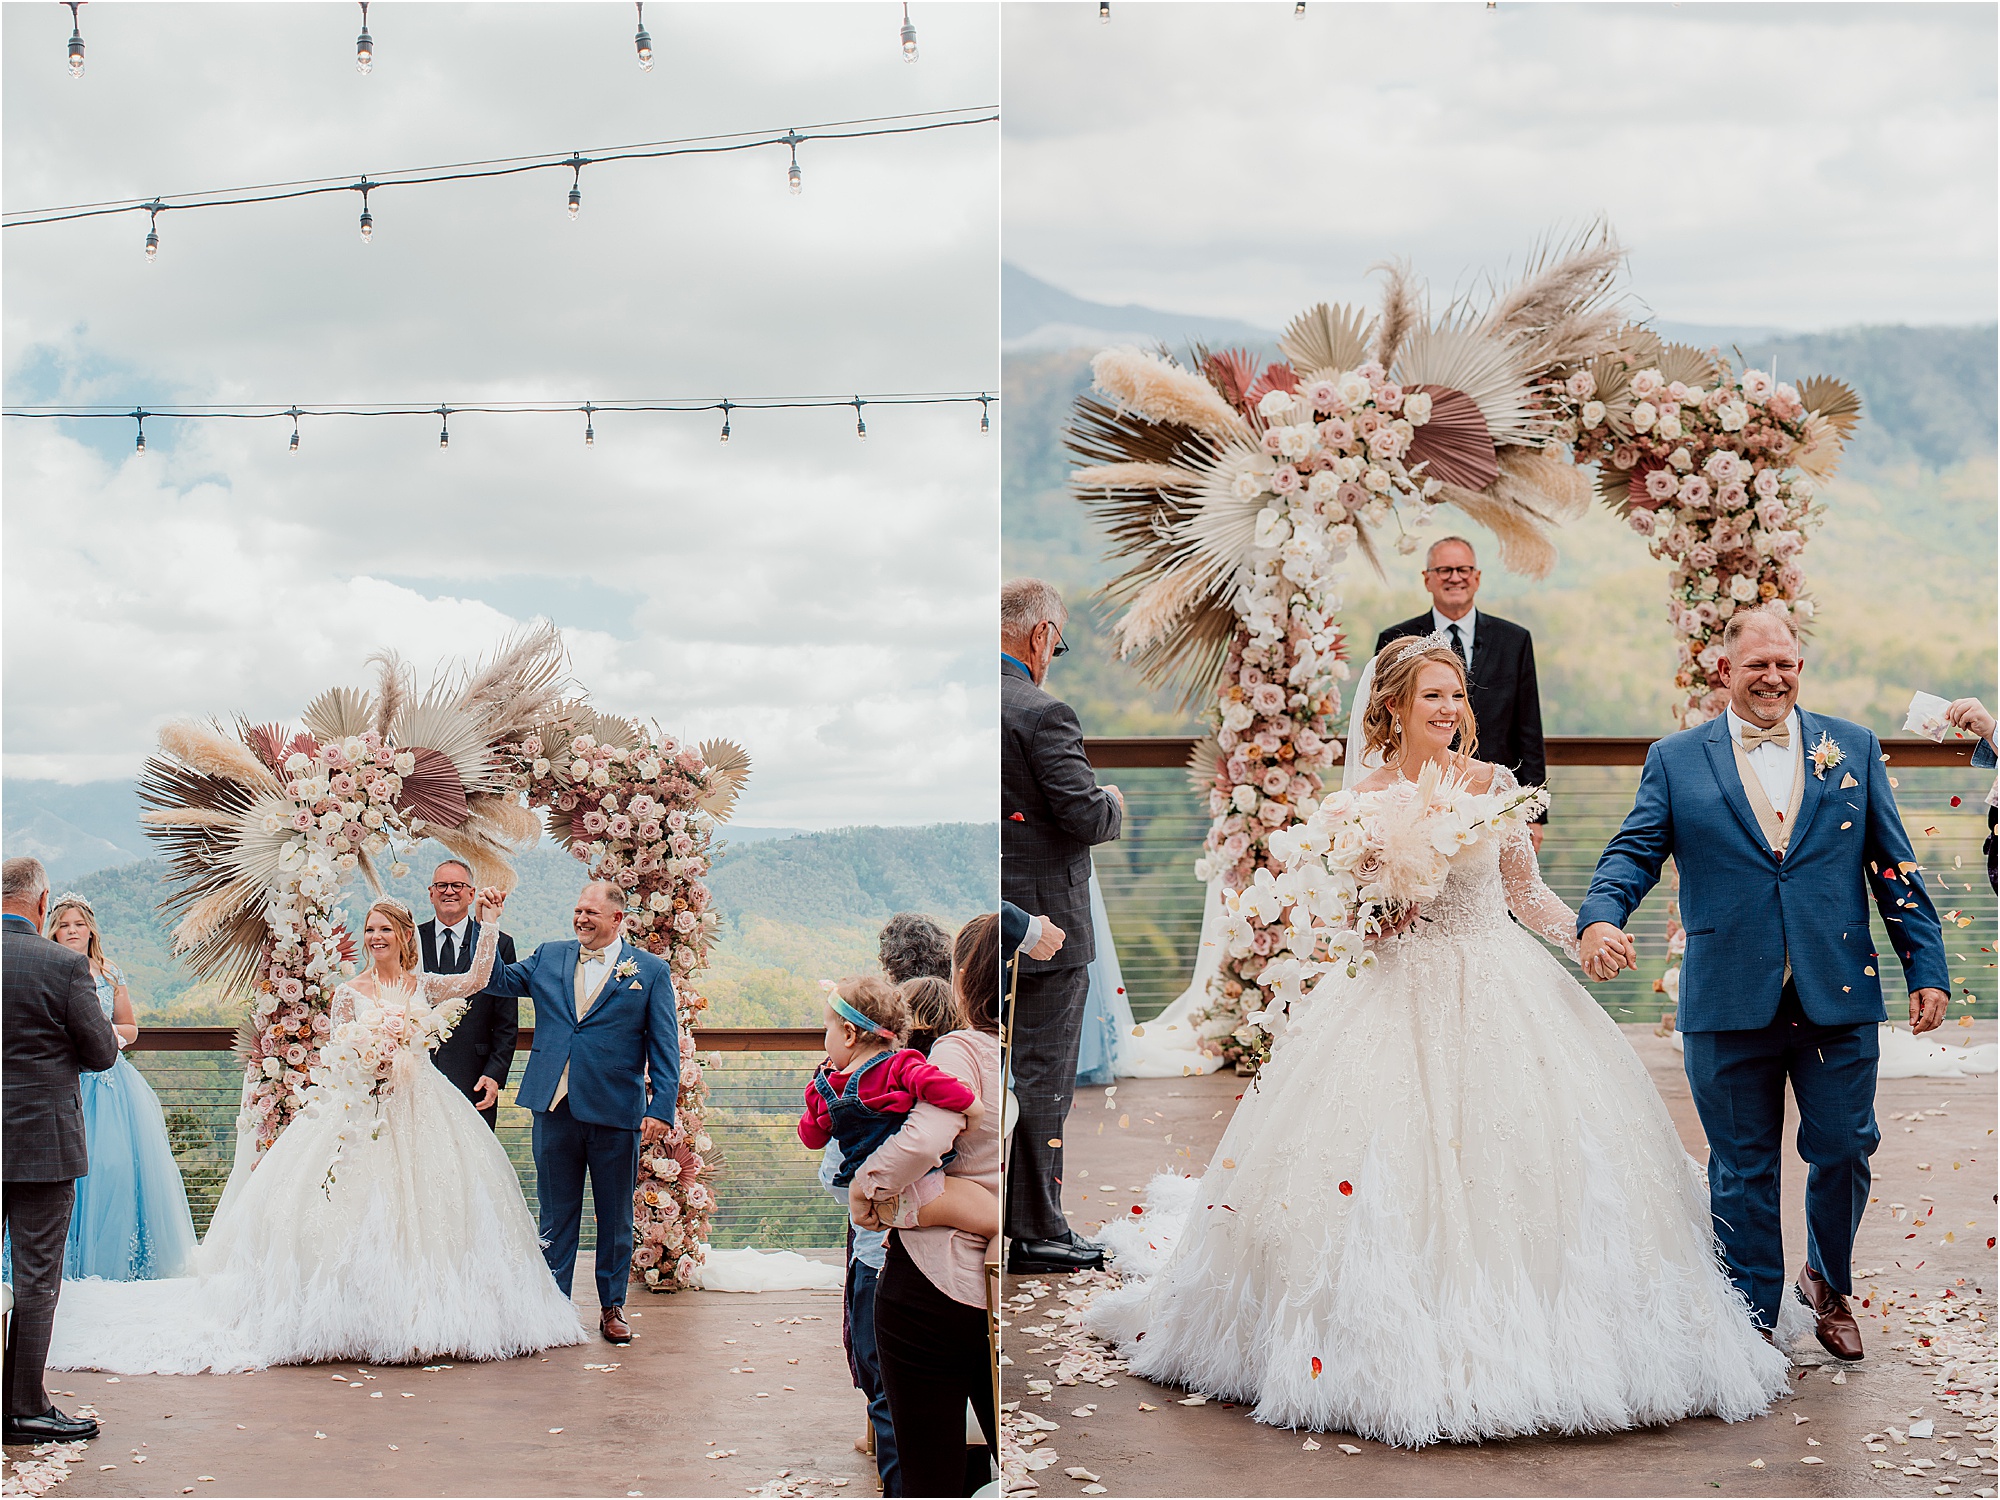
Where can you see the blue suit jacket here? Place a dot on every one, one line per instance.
(630, 1034)
(1744, 909)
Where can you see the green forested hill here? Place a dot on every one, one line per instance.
(795, 911)
(1903, 570)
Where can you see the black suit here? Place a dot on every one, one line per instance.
(1505, 700)
(482, 1044)
(54, 1030)
(1051, 811)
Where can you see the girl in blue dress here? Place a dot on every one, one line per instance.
(131, 1221)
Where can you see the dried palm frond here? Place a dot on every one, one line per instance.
(484, 855)
(1547, 483)
(1834, 400)
(1326, 339)
(433, 790)
(1155, 609)
(1159, 391)
(230, 953)
(339, 712)
(1819, 455)
(244, 1043)
(729, 768)
(1221, 527)
(1486, 368)
(1524, 547)
(1204, 764)
(206, 915)
(616, 731)
(206, 749)
(502, 818)
(435, 722)
(1232, 373)
(1556, 311)
(393, 691)
(1454, 445)
(1189, 661)
(1401, 311)
(1691, 366)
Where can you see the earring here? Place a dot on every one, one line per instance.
(1396, 727)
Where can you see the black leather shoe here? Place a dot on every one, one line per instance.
(1081, 1243)
(52, 1426)
(1027, 1257)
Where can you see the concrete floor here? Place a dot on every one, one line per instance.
(1942, 1162)
(758, 1378)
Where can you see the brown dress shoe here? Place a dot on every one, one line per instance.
(611, 1323)
(1836, 1329)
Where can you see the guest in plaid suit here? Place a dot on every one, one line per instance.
(1051, 811)
(54, 1030)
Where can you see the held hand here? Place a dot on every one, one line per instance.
(861, 1208)
(491, 900)
(1927, 1009)
(1051, 940)
(1402, 923)
(1970, 715)
(652, 1132)
(1606, 950)
(486, 1094)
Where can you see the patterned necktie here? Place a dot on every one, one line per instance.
(448, 955)
(1458, 645)
(1781, 736)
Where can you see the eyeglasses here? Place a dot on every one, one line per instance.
(448, 886)
(1061, 649)
(1452, 572)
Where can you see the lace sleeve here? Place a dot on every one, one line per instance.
(439, 988)
(1540, 909)
(343, 1005)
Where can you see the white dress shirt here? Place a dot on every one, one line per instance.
(1032, 936)
(1773, 766)
(595, 969)
(1465, 629)
(461, 933)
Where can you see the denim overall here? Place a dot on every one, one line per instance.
(857, 1126)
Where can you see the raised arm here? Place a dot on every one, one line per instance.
(439, 988)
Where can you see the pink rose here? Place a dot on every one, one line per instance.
(1367, 421)
(1389, 395)
(620, 826)
(1271, 440)
(1694, 491)
(649, 831)
(296, 1054)
(1336, 432)
(1702, 556)
(1660, 484)
(1322, 395)
(1286, 480)
(1351, 495)
(302, 820)
(1267, 698)
(595, 821)
(628, 878)
(1641, 521)
(1791, 577)
(1276, 781)
(1624, 456)
(682, 844)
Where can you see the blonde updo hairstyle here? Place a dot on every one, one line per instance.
(406, 930)
(1394, 693)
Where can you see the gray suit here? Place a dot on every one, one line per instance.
(1051, 811)
(54, 1029)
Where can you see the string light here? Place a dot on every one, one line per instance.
(367, 219)
(75, 39)
(1104, 11)
(153, 232)
(885, 125)
(643, 42)
(364, 45)
(792, 138)
(728, 406)
(909, 35)
(577, 164)
(1300, 8)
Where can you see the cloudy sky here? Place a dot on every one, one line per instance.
(825, 601)
(1797, 166)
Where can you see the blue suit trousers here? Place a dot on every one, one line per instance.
(1738, 1080)
(565, 1148)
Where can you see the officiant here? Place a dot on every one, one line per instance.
(479, 1053)
(1499, 659)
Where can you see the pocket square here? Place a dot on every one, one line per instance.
(635, 985)
(1848, 781)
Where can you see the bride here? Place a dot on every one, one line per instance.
(1453, 1206)
(382, 1229)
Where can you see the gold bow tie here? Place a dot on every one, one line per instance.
(1781, 736)
(592, 955)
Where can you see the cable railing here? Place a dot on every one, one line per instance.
(767, 1184)
(1155, 903)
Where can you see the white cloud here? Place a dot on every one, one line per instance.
(1804, 166)
(825, 601)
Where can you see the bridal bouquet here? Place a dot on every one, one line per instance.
(1360, 866)
(361, 1054)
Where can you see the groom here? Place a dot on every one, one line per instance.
(1782, 822)
(606, 1036)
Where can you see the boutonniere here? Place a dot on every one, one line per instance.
(1825, 755)
(627, 969)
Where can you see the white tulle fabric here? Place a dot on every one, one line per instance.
(421, 1246)
(1453, 1207)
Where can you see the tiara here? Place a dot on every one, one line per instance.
(73, 898)
(1437, 640)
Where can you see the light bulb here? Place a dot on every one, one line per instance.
(1104, 11)
(444, 437)
(1300, 8)
(793, 177)
(909, 37)
(295, 440)
(364, 45)
(725, 421)
(645, 45)
(985, 422)
(860, 427)
(575, 202)
(589, 436)
(76, 54)
(140, 446)
(152, 245)
(367, 227)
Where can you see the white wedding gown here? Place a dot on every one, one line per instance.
(420, 1247)
(1453, 1207)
